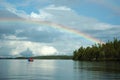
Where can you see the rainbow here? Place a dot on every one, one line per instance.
(53, 25)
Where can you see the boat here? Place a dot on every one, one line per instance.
(30, 59)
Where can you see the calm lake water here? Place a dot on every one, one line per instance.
(58, 70)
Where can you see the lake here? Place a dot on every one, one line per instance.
(58, 70)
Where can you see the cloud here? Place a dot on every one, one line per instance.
(16, 38)
(42, 16)
(43, 3)
(19, 13)
(26, 48)
(79, 22)
(59, 8)
(85, 24)
(27, 53)
(45, 16)
(12, 37)
(47, 50)
(69, 3)
(12, 8)
(7, 14)
(28, 32)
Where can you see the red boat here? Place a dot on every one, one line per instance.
(30, 59)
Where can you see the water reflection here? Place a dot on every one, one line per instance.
(58, 70)
(21, 69)
(97, 70)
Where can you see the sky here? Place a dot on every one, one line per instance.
(56, 27)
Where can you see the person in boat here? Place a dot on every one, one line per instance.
(30, 59)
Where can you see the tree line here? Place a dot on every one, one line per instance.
(107, 51)
(48, 57)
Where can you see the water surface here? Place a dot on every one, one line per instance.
(58, 70)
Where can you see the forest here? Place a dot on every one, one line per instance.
(109, 51)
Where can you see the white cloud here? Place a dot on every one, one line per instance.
(12, 8)
(65, 16)
(41, 16)
(17, 47)
(19, 13)
(48, 50)
(56, 14)
(70, 18)
(61, 8)
(18, 31)
(13, 37)
(102, 26)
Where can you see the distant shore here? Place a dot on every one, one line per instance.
(45, 57)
